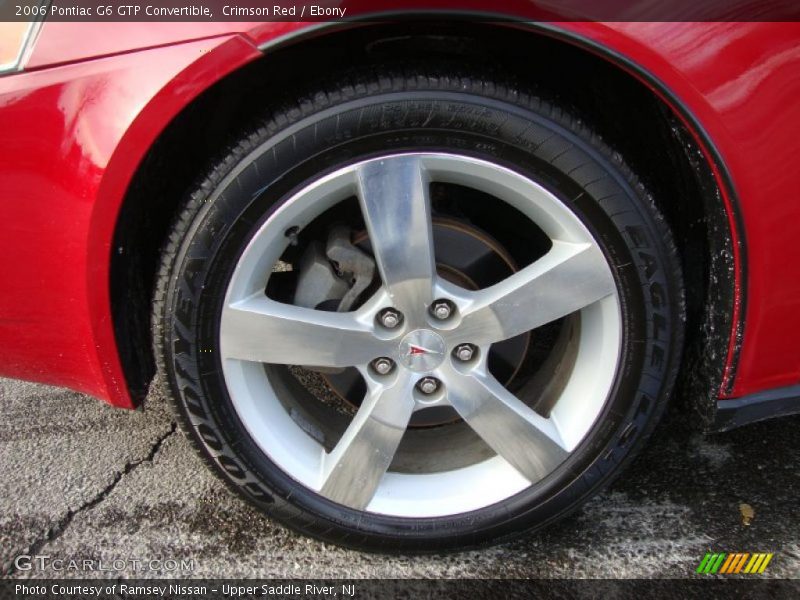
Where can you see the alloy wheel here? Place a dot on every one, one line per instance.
(420, 341)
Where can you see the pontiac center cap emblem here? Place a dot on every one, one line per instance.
(422, 350)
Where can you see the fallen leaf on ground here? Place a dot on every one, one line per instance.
(747, 512)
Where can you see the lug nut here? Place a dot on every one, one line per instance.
(428, 385)
(382, 365)
(390, 318)
(464, 352)
(442, 309)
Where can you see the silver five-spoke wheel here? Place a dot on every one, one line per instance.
(431, 320)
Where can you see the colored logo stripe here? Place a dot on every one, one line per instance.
(742, 559)
(758, 563)
(711, 562)
(735, 563)
(727, 564)
(723, 563)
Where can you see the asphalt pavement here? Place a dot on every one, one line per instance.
(80, 480)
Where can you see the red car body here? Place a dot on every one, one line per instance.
(80, 118)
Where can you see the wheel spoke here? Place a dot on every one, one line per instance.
(528, 441)
(263, 330)
(568, 278)
(355, 467)
(395, 203)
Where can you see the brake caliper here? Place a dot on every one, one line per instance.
(336, 278)
(352, 262)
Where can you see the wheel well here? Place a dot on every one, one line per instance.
(625, 112)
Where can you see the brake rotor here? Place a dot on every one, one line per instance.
(469, 258)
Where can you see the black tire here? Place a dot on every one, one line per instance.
(361, 115)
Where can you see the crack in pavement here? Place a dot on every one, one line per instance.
(55, 531)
